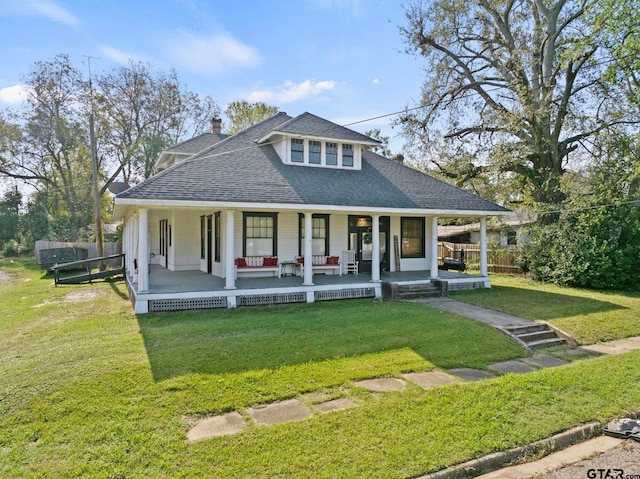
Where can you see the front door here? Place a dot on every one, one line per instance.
(361, 241)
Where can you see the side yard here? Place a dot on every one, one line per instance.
(89, 389)
(589, 316)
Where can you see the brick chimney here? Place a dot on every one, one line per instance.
(216, 125)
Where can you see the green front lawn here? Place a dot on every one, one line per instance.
(87, 389)
(589, 316)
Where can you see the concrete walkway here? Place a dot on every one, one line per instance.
(484, 315)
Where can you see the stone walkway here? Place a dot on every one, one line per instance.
(297, 409)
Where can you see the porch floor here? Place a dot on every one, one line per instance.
(162, 281)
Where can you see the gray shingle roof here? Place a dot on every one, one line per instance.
(197, 143)
(239, 170)
(312, 125)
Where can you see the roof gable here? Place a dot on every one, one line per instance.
(307, 124)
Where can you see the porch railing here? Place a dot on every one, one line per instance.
(499, 260)
(106, 266)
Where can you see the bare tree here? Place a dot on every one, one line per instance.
(142, 111)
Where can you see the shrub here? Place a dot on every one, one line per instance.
(597, 248)
(11, 249)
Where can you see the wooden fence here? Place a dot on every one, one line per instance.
(499, 260)
(110, 249)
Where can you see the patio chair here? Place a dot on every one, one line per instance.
(349, 263)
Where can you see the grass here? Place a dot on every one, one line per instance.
(87, 389)
(589, 316)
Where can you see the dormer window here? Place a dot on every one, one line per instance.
(347, 155)
(315, 148)
(297, 150)
(332, 154)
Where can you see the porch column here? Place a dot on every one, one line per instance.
(143, 250)
(483, 247)
(135, 243)
(126, 247)
(434, 247)
(375, 253)
(308, 249)
(230, 256)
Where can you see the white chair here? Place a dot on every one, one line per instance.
(349, 263)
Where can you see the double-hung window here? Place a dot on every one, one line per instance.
(315, 148)
(260, 234)
(347, 155)
(319, 235)
(412, 237)
(297, 150)
(331, 154)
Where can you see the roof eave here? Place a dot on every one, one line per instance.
(120, 205)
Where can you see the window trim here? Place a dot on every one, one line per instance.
(301, 230)
(247, 214)
(402, 236)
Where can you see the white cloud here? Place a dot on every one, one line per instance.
(44, 8)
(375, 81)
(213, 54)
(116, 55)
(290, 92)
(14, 94)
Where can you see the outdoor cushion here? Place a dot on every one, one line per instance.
(270, 262)
(332, 260)
(241, 262)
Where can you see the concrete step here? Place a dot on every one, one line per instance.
(533, 328)
(417, 287)
(537, 336)
(546, 343)
(419, 294)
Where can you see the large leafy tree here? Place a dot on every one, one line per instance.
(243, 114)
(46, 144)
(512, 88)
(10, 215)
(596, 240)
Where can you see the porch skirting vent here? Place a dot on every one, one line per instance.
(465, 286)
(276, 298)
(350, 293)
(158, 305)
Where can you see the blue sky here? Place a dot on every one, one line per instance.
(340, 59)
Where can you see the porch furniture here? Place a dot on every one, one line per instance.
(349, 263)
(322, 263)
(455, 261)
(255, 264)
(289, 268)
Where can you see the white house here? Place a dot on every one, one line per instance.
(223, 226)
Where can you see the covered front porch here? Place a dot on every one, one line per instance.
(181, 290)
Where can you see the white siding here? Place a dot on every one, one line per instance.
(185, 242)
